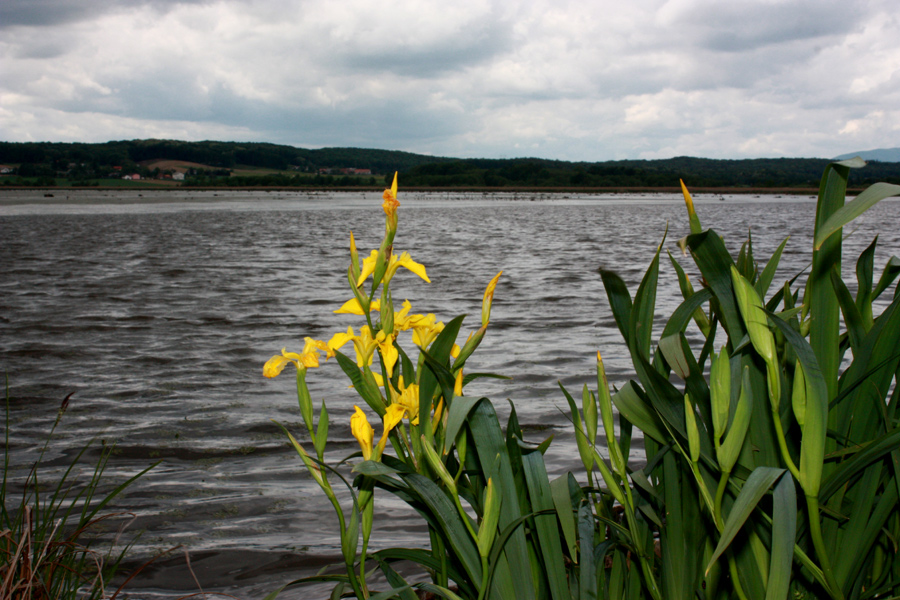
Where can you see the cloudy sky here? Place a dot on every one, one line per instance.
(573, 80)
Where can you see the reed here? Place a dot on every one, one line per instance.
(48, 527)
(772, 453)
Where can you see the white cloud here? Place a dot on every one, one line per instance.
(560, 79)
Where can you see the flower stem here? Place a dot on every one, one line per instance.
(815, 532)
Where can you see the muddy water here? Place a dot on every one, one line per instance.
(157, 311)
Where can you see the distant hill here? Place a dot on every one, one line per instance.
(260, 164)
(881, 155)
(215, 154)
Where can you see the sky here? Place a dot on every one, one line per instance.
(559, 79)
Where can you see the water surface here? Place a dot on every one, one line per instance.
(156, 310)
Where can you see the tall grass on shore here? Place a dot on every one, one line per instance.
(47, 528)
(771, 471)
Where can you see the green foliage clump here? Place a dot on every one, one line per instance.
(772, 445)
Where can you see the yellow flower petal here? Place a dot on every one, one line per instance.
(275, 365)
(353, 307)
(409, 399)
(338, 340)
(388, 352)
(368, 267)
(407, 262)
(458, 384)
(392, 416)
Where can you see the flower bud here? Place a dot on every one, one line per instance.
(362, 431)
(390, 209)
(487, 531)
(488, 300)
(437, 465)
(354, 261)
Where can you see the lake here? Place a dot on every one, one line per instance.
(157, 310)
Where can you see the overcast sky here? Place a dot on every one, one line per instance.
(573, 80)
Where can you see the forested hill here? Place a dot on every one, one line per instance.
(225, 155)
(289, 165)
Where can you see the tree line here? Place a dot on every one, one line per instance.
(80, 161)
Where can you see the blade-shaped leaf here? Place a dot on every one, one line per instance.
(784, 531)
(541, 498)
(768, 274)
(866, 200)
(756, 486)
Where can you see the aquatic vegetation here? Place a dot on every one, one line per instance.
(48, 525)
(769, 421)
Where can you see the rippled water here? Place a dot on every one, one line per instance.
(158, 310)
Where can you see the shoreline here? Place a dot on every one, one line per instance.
(28, 196)
(458, 189)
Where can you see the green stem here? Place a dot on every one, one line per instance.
(782, 444)
(732, 568)
(482, 592)
(815, 531)
(720, 495)
(646, 568)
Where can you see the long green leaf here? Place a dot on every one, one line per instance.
(876, 449)
(756, 486)
(784, 531)
(687, 291)
(619, 302)
(715, 263)
(456, 418)
(490, 442)
(866, 200)
(812, 446)
(438, 354)
(823, 305)
(853, 319)
(587, 575)
(865, 273)
(367, 390)
(644, 308)
(890, 273)
(454, 530)
(634, 408)
(562, 501)
(768, 274)
(541, 498)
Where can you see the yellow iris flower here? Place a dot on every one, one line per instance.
(304, 360)
(396, 262)
(365, 346)
(353, 307)
(425, 329)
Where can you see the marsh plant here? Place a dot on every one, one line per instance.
(768, 414)
(52, 545)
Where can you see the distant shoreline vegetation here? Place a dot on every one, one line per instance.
(161, 164)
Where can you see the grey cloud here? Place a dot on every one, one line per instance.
(45, 13)
(741, 26)
(433, 60)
